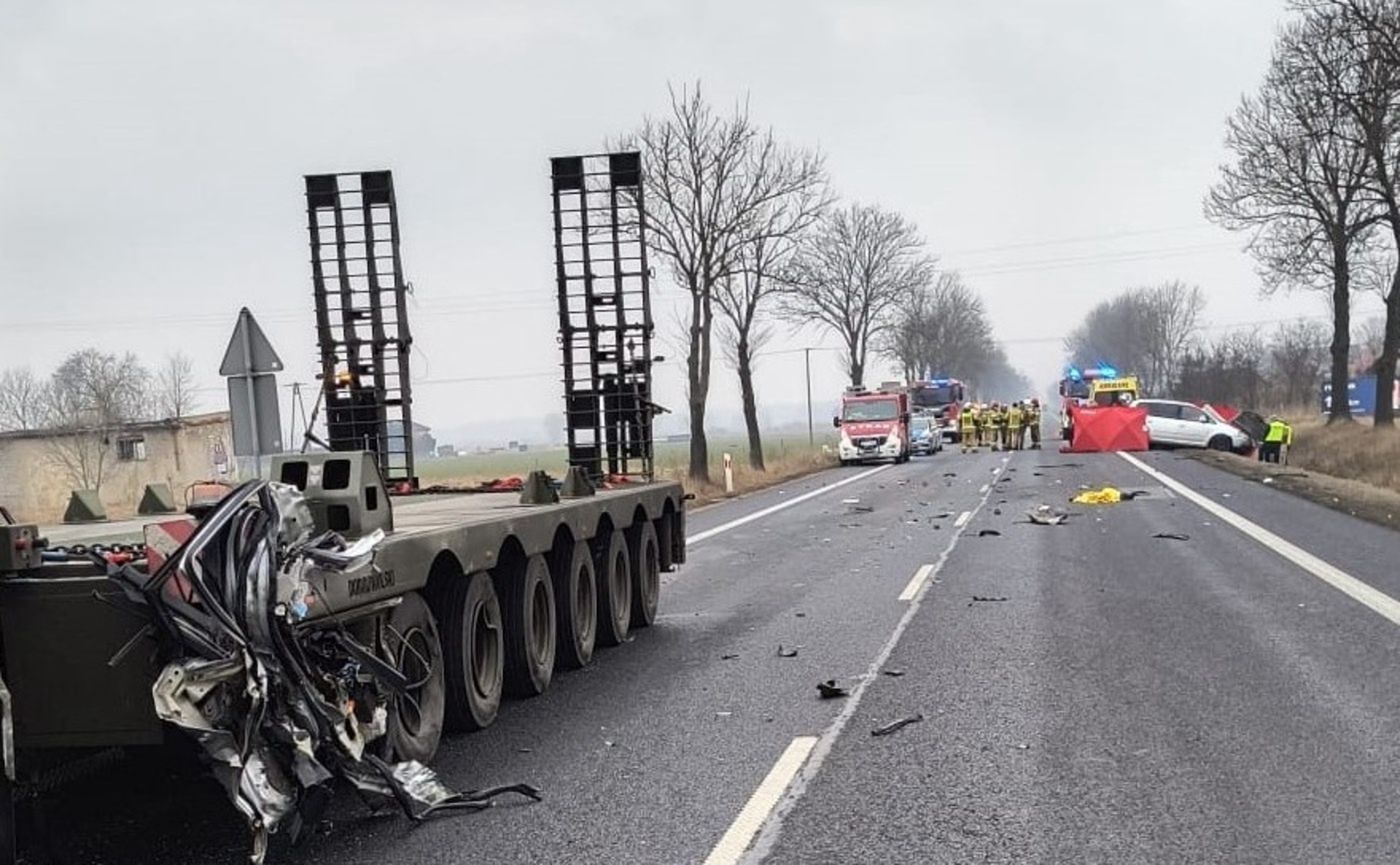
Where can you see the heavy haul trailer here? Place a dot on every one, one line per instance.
(462, 597)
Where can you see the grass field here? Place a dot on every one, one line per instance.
(787, 456)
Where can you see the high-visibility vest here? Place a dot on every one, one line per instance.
(1279, 433)
(1014, 417)
(968, 420)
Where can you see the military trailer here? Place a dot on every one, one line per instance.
(334, 619)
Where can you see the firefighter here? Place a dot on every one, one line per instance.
(967, 428)
(1033, 421)
(982, 418)
(1276, 441)
(996, 422)
(1015, 420)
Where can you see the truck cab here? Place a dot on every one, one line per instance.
(874, 425)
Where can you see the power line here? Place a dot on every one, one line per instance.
(1067, 241)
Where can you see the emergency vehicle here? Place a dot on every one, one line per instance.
(874, 425)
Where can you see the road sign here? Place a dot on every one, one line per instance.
(249, 352)
(249, 363)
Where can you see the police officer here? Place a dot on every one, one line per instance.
(1015, 426)
(1279, 437)
(967, 428)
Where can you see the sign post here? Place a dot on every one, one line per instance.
(250, 365)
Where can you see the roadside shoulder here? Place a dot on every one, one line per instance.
(1361, 500)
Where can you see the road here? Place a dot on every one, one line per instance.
(1116, 698)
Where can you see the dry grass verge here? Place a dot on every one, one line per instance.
(783, 464)
(1352, 468)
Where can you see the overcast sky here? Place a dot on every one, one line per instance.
(151, 157)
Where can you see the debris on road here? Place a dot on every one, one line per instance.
(786, 653)
(1134, 494)
(989, 533)
(1046, 516)
(1105, 496)
(282, 710)
(829, 690)
(892, 671)
(979, 599)
(1173, 536)
(996, 512)
(731, 656)
(895, 726)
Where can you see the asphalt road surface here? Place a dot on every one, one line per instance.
(1089, 692)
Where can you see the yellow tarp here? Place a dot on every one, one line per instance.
(1105, 496)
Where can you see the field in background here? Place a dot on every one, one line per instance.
(788, 456)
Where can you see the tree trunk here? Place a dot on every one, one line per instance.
(698, 370)
(1340, 410)
(1385, 364)
(745, 370)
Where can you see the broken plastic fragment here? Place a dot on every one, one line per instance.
(893, 726)
(829, 690)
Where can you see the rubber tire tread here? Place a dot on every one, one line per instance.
(456, 602)
(526, 677)
(573, 648)
(614, 615)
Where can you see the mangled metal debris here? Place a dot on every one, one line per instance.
(282, 704)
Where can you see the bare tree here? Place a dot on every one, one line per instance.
(712, 183)
(1141, 331)
(1354, 46)
(853, 273)
(745, 293)
(175, 390)
(22, 398)
(942, 329)
(1297, 354)
(91, 397)
(1298, 185)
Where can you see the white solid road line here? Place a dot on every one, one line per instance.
(963, 518)
(1335, 577)
(731, 847)
(916, 582)
(795, 500)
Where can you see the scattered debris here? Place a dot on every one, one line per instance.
(892, 671)
(800, 614)
(996, 512)
(829, 690)
(950, 474)
(1173, 536)
(978, 599)
(524, 750)
(723, 714)
(1267, 481)
(729, 657)
(1023, 746)
(1045, 516)
(786, 653)
(1134, 494)
(1105, 496)
(895, 726)
(989, 533)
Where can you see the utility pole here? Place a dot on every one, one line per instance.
(807, 358)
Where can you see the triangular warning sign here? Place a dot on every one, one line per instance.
(249, 352)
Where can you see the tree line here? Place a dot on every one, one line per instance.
(752, 229)
(1314, 176)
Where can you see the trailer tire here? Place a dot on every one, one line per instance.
(530, 629)
(473, 650)
(411, 643)
(613, 566)
(646, 573)
(576, 597)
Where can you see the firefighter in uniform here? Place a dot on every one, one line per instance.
(1279, 437)
(1015, 429)
(1033, 421)
(967, 428)
(981, 418)
(996, 422)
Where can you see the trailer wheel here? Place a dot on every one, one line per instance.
(614, 591)
(576, 596)
(473, 650)
(411, 644)
(646, 573)
(530, 630)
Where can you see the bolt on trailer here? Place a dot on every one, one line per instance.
(332, 623)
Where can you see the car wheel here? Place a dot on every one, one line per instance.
(1219, 443)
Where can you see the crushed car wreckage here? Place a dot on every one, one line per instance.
(283, 703)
